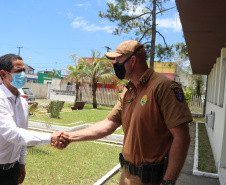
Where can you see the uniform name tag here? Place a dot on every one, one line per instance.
(128, 101)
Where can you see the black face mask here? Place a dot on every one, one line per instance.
(119, 68)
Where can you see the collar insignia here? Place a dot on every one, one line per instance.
(143, 80)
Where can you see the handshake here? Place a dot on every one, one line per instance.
(60, 139)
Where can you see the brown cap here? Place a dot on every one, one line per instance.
(126, 48)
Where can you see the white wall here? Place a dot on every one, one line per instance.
(216, 134)
(216, 102)
(39, 90)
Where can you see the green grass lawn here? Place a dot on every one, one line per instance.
(205, 151)
(80, 171)
(115, 179)
(67, 118)
(80, 163)
(206, 161)
(75, 118)
(201, 119)
(67, 104)
(196, 109)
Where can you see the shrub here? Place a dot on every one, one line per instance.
(54, 108)
(187, 95)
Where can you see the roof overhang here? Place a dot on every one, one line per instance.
(204, 27)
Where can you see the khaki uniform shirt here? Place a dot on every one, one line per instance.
(146, 113)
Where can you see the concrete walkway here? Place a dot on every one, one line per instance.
(186, 177)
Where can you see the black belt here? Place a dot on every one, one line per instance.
(148, 172)
(132, 169)
(7, 166)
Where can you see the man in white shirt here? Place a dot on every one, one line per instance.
(14, 136)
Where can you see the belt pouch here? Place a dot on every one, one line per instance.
(144, 173)
(121, 160)
(153, 173)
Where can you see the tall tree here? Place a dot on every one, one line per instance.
(54, 73)
(75, 74)
(143, 23)
(99, 69)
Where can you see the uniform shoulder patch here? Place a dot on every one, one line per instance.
(178, 91)
(143, 100)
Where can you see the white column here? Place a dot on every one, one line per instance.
(222, 79)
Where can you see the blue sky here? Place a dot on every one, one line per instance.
(51, 31)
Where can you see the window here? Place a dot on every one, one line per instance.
(31, 72)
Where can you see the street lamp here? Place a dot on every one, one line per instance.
(26, 58)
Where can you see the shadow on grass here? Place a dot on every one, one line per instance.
(36, 151)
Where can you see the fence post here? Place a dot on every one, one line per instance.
(48, 92)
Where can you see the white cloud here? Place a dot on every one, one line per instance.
(81, 23)
(170, 23)
(85, 4)
(138, 10)
(111, 1)
(99, 2)
(69, 15)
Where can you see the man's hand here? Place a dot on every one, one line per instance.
(60, 138)
(21, 174)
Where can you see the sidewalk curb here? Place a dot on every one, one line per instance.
(196, 157)
(108, 175)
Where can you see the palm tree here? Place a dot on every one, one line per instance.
(54, 73)
(75, 74)
(100, 69)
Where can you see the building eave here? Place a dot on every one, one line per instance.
(204, 28)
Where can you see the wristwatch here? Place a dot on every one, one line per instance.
(167, 182)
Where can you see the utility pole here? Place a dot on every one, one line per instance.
(19, 50)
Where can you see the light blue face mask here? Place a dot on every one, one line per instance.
(19, 79)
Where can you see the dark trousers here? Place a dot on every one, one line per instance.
(11, 176)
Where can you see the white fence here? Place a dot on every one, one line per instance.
(39, 90)
(196, 105)
(107, 97)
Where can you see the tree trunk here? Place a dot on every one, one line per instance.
(77, 89)
(152, 54)
(94, 89)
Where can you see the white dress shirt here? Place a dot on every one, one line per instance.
(14, 136)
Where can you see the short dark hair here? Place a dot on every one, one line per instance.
(6, 61)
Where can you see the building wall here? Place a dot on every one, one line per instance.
(216, 135)
(42, 77)
(172, 71)
(28, 69)
(164, 67)
(39, 90)
(216, 102)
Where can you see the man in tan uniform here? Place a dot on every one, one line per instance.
(154, 115)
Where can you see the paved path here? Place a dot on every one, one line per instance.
(186, 177)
